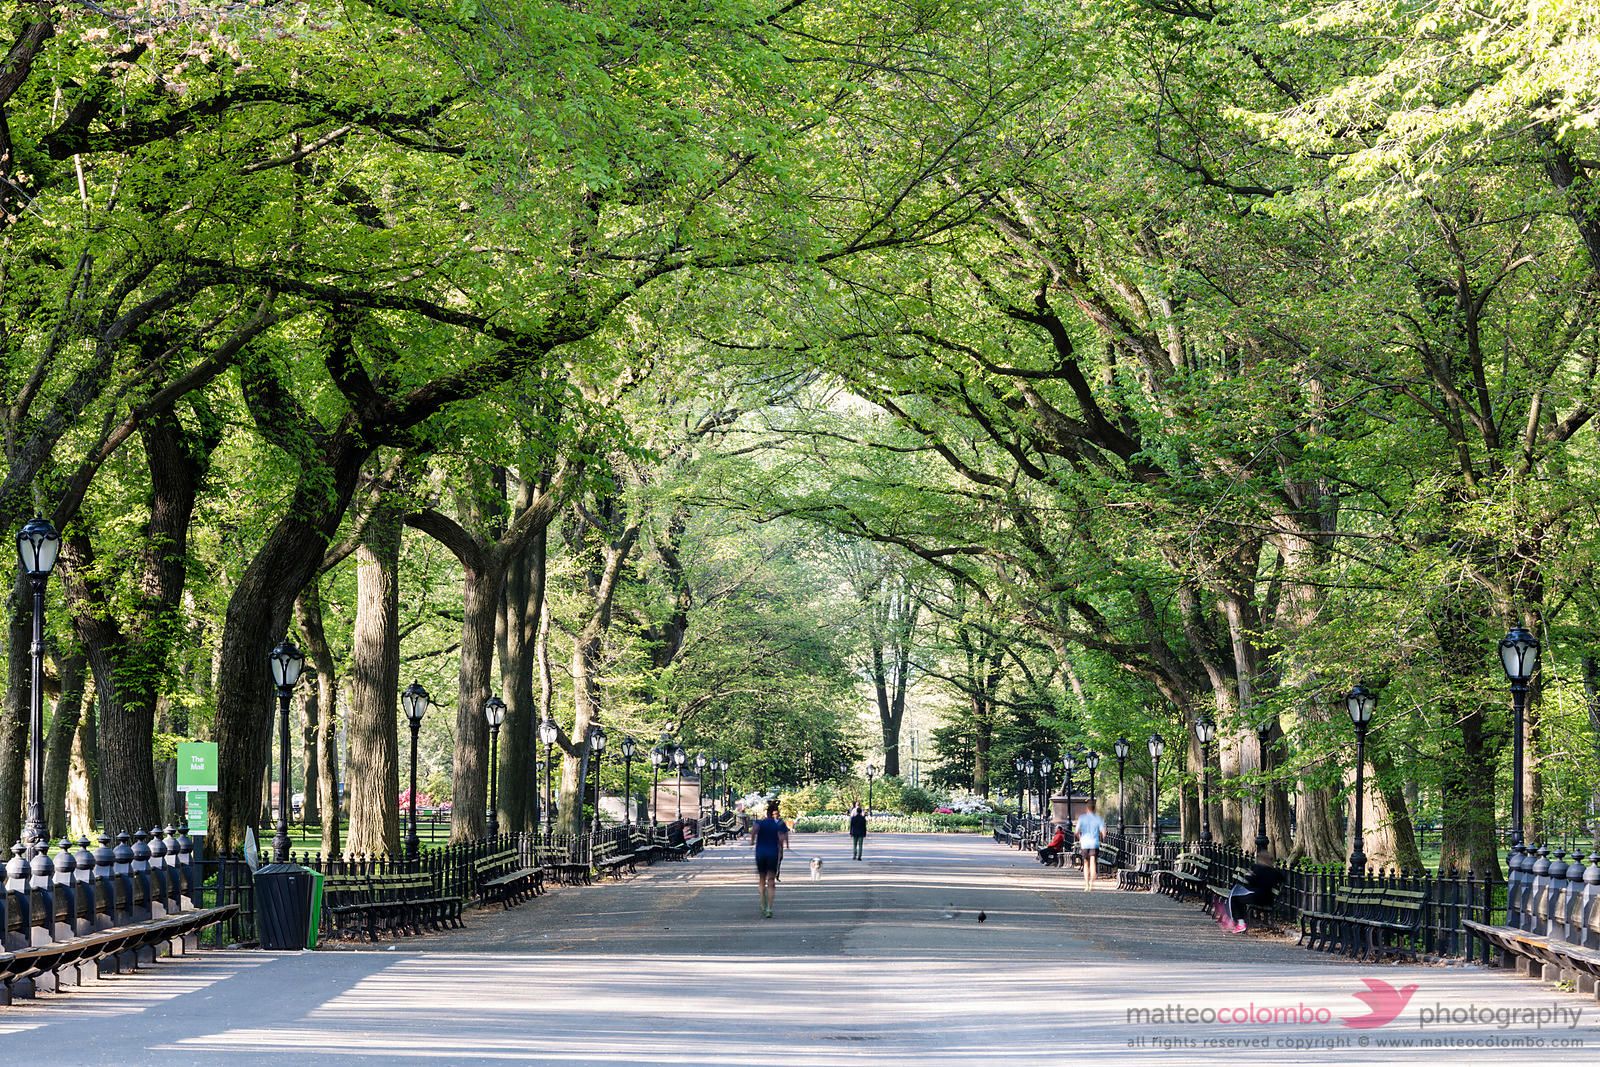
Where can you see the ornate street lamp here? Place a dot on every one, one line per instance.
(1122, 749)
(1205, 731)
(1019, 763)
(1360, 702)
(38, 545)
(1156, 747)
(1028, 768)
(1092, 761)
(1045, 767)
(494, 710)
(727, 786)
(699, 773)
(628, 748)
(414, 701)
(1263, 737)
(1069, 763)
(1519, 655)
(548, 732)
(597, 742)
(872, 772)
(658, 756)
(287, 663)
(679, 758)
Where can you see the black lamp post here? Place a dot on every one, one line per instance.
(1360, 702)
(1263, 736)
(1205, 731)
(1092, 761)
(287, 663)
(658, 756)
(699, 773)
(597, 742)
(628, 748)
(872, 772)
(1018, 764)
(1045, 767)
(679, 758)
(1156, 746)
(727, 786)
(1121, 749)
(1519, 655)
(1069, 763)
(38, 545)
(414, 701)
(547, 734)
(494, 710)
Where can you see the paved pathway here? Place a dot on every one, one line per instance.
(883, 962)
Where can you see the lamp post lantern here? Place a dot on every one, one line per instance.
(658, 756)
(1092, 761)
(494, 710)
(1519, 655)
(1263, 737)
(1205, 731)
(287, 663)
(872, 772)
(414, 701)
(1360, 702)
(38, 545)
(1122, 748)
(547, 734)
(679, 758)
(1156, 747)
(597, 742)
(628, 749)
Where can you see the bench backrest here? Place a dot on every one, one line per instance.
(499, 863)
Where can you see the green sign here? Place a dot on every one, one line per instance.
(196, 811)
(197, 766)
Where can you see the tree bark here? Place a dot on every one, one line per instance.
(71, 668)
(308, 618)
(521, 616)
(83, 797)
(14, 724)
(374, 772)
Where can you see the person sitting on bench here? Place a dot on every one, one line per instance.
(1050, 855)
(1256, 892)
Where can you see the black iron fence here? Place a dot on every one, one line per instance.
(1449, 898)
(229, 879)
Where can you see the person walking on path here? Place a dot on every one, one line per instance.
(858, 830)
(771, 838)
(1090, 827)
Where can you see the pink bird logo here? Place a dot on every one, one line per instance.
(1385, 1001)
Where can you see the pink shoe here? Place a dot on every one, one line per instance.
(1238, 928)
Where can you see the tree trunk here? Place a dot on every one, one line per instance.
(1393, 839)
(310, 766)
(71, 667)
(470, 772)
(323, 754)
(14, 725)
(83, 798)
(256, 619)
(374, 769)
(521, 617)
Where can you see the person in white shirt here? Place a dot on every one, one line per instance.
(1090, 827)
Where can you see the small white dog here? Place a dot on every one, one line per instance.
(816, 868)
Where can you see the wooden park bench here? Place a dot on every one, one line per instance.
(1561, 941)
(555, 861)
(1366, 921)
(88, 913)
(374, 904)
(612, 857)
(503, 877)
(1186, 879)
